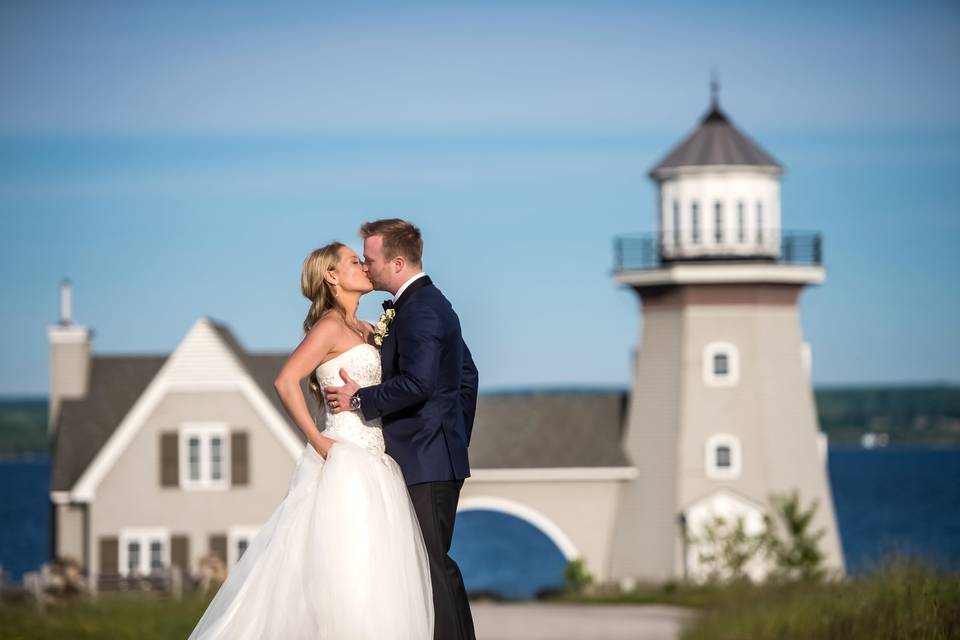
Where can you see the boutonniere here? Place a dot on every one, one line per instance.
(382, 330)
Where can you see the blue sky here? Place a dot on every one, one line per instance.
(180, 159)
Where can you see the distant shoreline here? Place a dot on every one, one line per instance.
(918, 414)
(843, 447)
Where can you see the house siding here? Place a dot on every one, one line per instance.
(131, 494)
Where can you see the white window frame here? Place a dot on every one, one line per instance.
(716, 472)
(732, 377)
(234, 535)
(205, 432)
(144, 536)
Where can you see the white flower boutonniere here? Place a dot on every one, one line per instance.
(382, 328)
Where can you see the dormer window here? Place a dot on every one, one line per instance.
(721, 366)
(722, 457)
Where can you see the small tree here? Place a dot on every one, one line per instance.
(576, 576)
(724, 548)
(789, 543)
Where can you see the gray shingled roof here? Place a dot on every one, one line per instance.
(525, 430)
(716, 141)
(549, 429)
(84, 426)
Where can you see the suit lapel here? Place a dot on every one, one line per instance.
(388, 350)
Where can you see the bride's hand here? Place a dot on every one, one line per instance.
(324, 447)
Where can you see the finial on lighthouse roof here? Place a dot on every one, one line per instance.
(714, 90)
(715, 142)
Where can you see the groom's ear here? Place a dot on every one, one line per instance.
(400, 262)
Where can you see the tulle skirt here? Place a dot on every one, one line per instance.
(341, 558)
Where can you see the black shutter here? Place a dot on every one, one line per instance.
(180, 553)
(218, 546)
(109, 556)
(169, 460)
(239, 458)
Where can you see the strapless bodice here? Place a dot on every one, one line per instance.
(362, 362)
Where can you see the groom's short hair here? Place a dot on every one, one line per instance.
(400, 238)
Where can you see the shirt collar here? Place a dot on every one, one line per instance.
(406, 284)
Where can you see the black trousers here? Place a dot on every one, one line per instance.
(436, 507)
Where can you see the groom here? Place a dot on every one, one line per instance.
(427, 401)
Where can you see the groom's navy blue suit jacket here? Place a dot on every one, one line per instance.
(428, 395)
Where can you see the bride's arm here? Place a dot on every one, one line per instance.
(314, 347)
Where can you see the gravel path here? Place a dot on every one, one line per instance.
(533, 621)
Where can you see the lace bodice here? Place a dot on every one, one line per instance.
(362, 362)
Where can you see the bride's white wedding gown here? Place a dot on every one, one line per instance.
(342, 556)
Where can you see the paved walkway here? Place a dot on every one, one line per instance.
(536, 621)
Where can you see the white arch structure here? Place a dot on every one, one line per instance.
(544, 524)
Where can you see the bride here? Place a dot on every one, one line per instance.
(342, 556)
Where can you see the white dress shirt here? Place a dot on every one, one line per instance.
(406, 284)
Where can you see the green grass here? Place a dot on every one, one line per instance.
(127, 616)
(903, 600)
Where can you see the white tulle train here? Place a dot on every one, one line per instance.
(341, 558)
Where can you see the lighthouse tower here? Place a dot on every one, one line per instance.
(721, 411)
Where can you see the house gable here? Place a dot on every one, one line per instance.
(203, 361)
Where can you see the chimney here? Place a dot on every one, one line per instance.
(69, 357)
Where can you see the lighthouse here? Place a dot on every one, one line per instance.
(721, 413)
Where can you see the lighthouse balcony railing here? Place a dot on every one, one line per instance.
(657, 250)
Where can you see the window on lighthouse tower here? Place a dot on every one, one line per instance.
(759, 222)
(721, 364)
(718, 222)
(695, 222)
(741, 230)
(676, 223)
(723, 459)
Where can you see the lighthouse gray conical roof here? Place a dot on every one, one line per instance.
(716, 141)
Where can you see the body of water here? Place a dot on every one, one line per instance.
(897, 500)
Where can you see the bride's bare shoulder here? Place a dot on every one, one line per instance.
(328, 326)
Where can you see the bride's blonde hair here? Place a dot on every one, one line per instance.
(321, 295)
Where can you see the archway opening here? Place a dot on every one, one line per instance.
(506, 556)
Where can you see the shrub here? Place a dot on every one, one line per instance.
(576, 576)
